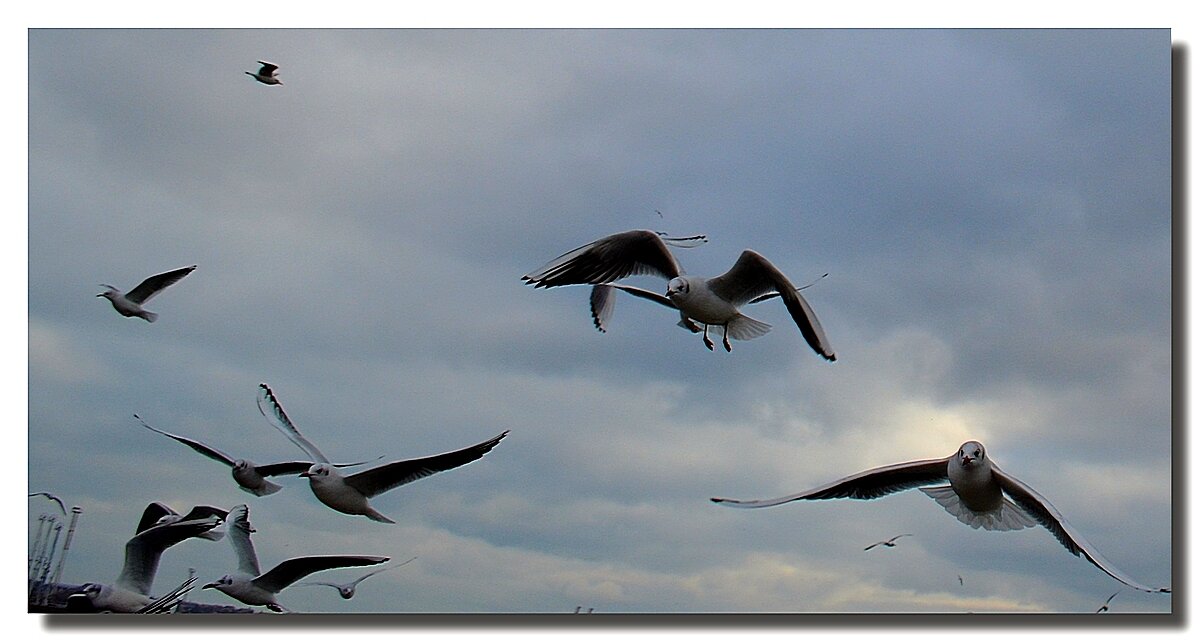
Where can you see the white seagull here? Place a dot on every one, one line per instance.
(350, 494)
(979, 495)
(130, 305)
(266, 74)
(710, 302)
(251, 586)
(890, 543)
(250, 477)
(347, 590)
(131, 592)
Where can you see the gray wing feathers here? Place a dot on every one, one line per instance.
(157, 283)
(869, 484)
(602, 301)
(608, 259)
(287, 572)
(388, 476)
(239, 535)
(278, 418)
(1049, 517)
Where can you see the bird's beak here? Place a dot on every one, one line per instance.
(305, 474)
(208, 586)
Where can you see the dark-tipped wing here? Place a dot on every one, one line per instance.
(203, 449)
(388, 476)
(155, 284)
(283, 468)
(291, 570)
(753, 276)
(154, 512)
(274, 413)
(239, 535)
(267, 69)
(1049, 517)
(602, 301)
(607, 260)
(143, 551)
(869, 484)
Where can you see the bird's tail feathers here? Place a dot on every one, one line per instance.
(1008, 517)
(743, 328)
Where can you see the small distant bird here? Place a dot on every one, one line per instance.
(1104, 607)
(251, 586)
(266, 74)
(347, 590)
(890, 543)
(250, 477)
(709, 302)
(130, 305)
(979, 495)
(578, 610)
(350, 494)
(960, 581)
(54, 498)
(131, 592)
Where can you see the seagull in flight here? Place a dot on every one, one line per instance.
(705, 301)
(130, 305)
(266, 74)
(890, 543)
(347, 590)
(250, 585)
(250, 477)
(131, 592)
(54, 498)
(350, 493)
(979, 495)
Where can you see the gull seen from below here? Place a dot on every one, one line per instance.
(130, 305)
(707, 301)
(250, 477)
(347, 590)
(979, 495)
(131, 592)
(350, 493)
(249, 585)
(266, 74)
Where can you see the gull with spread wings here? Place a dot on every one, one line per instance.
(979, 495)
(130, 304)
(350, 494)
(707, 301)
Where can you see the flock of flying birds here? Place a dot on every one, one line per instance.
(966, 484)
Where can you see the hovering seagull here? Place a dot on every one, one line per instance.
(250, 477)
(979, 495)
(347, 590)
(266, 74)
(251, 586)
(350, 494)
(709, 302)
(158, 513)
(131, 591)
(54, 498)
(130, 305)
(890, 543)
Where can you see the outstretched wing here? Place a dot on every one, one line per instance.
(608, 259)
(157, 283)
(278, 418)
(54, 498)
(1049, 517)
(388, 476)
(203, 449)
(239, 535)
(753, 276)
(868, 484)
(143, 551)
(287, 572)
(154, 512)
(267, 69)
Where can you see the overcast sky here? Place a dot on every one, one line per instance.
(992, 208)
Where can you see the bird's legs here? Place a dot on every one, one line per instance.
(725, 338)
(707, 342)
